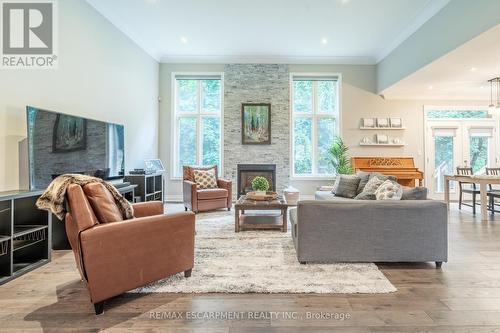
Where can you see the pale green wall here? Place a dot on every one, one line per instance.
(457, 23)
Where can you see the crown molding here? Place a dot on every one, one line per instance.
(228, 59)
(431, 8)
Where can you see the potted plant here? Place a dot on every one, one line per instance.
(339, 157)
(260, 185)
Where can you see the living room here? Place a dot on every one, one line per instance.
(250, 167)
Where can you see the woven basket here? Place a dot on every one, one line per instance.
(291, 197)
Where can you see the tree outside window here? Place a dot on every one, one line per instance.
(315, 110)
(197, 123)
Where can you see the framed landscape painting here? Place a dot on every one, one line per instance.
(69, 134)
(256, 123)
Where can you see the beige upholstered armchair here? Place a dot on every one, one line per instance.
(205, 199)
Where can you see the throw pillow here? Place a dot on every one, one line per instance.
(389, 190)
(205, 179)
(348, 185)
(383, 177)
(336, 184)
(414, 193)
(368, 192)
(364, 178)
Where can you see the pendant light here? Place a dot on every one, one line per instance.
(494, 95)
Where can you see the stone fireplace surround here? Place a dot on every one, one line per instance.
(247, 172)
(257, 83)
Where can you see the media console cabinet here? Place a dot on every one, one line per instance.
(25, 234)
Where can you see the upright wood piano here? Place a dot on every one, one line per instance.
(401, 167)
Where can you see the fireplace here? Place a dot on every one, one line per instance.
(247, 172)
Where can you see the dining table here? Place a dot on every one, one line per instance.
(482, 180)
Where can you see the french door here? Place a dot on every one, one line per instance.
(453, 143)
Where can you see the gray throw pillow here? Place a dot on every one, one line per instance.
(414, 193)
(389, 190)
(364, 178)
(336, 184)
(348, 185)
(369, 190)
(383, 177)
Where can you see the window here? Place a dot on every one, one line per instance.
(463, 113)
(197, 132)
(315, 123)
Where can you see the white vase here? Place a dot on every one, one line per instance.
(260, 192)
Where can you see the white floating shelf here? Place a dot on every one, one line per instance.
(383, 128)
(383, 144)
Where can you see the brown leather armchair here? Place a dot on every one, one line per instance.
(115, 255)
(202, 200)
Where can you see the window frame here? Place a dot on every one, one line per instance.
(199, 115)
(314, 116)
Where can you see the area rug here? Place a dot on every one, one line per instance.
(262, 262)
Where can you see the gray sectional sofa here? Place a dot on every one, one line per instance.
(335, 229)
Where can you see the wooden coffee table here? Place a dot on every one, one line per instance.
(261, 220)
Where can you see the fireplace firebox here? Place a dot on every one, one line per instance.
(247, 172)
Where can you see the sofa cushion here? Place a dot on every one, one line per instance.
(348, 185)
(205, 179)
(328, 196)
(336, 184)
(389, 190)
(102, 203)
(324, 195)
(383, 177)
(414, 193)
(213, 193)
(369, 189)
(293, 215)
(364, 178)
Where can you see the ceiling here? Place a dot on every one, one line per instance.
(307, 31)
(461, 74)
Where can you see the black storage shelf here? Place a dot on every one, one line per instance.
(4, 245)
(149, 187)
(27, 235)
(19, 245)
(25, 232)
(21, 268)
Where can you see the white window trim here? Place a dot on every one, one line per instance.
(428, 130)
(174, 118)
(338, 118)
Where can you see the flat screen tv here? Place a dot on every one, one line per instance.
(59, 143)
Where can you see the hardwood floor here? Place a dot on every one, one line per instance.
(464, 296)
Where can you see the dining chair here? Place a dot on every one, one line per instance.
(470, 188)
(493, 193)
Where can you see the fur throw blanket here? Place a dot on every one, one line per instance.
(54, 196)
